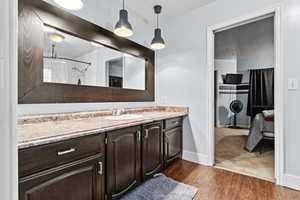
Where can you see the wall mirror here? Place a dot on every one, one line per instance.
(63, 62)
(72, 60)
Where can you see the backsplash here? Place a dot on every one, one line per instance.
(35, 109)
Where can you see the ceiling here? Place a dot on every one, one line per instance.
(241, 42)
(171, 8)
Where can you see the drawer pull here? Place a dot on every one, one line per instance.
(100, 172)
(139, 135)
(146, 133)
(60, 153)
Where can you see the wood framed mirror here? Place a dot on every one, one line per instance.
(66, 59)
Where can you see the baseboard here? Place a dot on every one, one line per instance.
(195, 157)
(227, 126)
(291, 181)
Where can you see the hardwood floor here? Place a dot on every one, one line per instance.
(218, 184)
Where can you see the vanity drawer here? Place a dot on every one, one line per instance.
(172, 123)
(35, 159)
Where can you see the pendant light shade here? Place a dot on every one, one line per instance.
(123, 28)
(157, 42)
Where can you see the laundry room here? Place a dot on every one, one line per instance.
(244, 98)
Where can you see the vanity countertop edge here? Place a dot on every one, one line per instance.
(36, 130)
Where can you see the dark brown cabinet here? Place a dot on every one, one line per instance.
(172, 140)
(101, 166)
(152, 149)
(79, 180)
(39, 158)
(123, 161)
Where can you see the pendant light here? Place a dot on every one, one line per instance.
(123, 27)
(70, 4)
(157, 42)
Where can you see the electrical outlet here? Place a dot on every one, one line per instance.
(2, 73)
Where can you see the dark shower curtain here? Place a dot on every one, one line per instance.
(261, 92)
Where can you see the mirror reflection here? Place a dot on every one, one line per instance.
(72, 60)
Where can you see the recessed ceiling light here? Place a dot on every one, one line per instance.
(95, 44)
(70, 4)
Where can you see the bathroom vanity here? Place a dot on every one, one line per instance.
(92, 155)
(103, 159)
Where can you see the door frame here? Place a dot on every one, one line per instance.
(8, 99)
(279, 82)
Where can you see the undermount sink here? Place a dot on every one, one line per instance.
(124, 117)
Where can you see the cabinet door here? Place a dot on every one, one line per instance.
(80, 180)
(173, 144)
(152, 149)
(123, 161)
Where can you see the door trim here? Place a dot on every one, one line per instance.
(8, 100)
(279, 82)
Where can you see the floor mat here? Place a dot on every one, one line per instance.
(161, 187)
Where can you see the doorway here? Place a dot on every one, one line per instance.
(240, 129)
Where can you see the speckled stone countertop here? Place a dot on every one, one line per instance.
(44, 129)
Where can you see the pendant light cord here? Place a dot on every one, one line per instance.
(53, 51)
(157, 21)
(123, 4)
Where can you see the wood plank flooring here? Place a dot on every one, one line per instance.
(218, 184)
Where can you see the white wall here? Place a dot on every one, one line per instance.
(134, 73)
(96, 73)
(225, 66)
(105, 13)
(62, 72)
(183, 76)
(90, 77)
(8, 100)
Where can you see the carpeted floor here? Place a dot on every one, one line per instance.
(230, 154)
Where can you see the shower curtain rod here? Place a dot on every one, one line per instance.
(257, 69)
(68, 59)
(53, 56)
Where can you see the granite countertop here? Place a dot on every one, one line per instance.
(44, 129)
